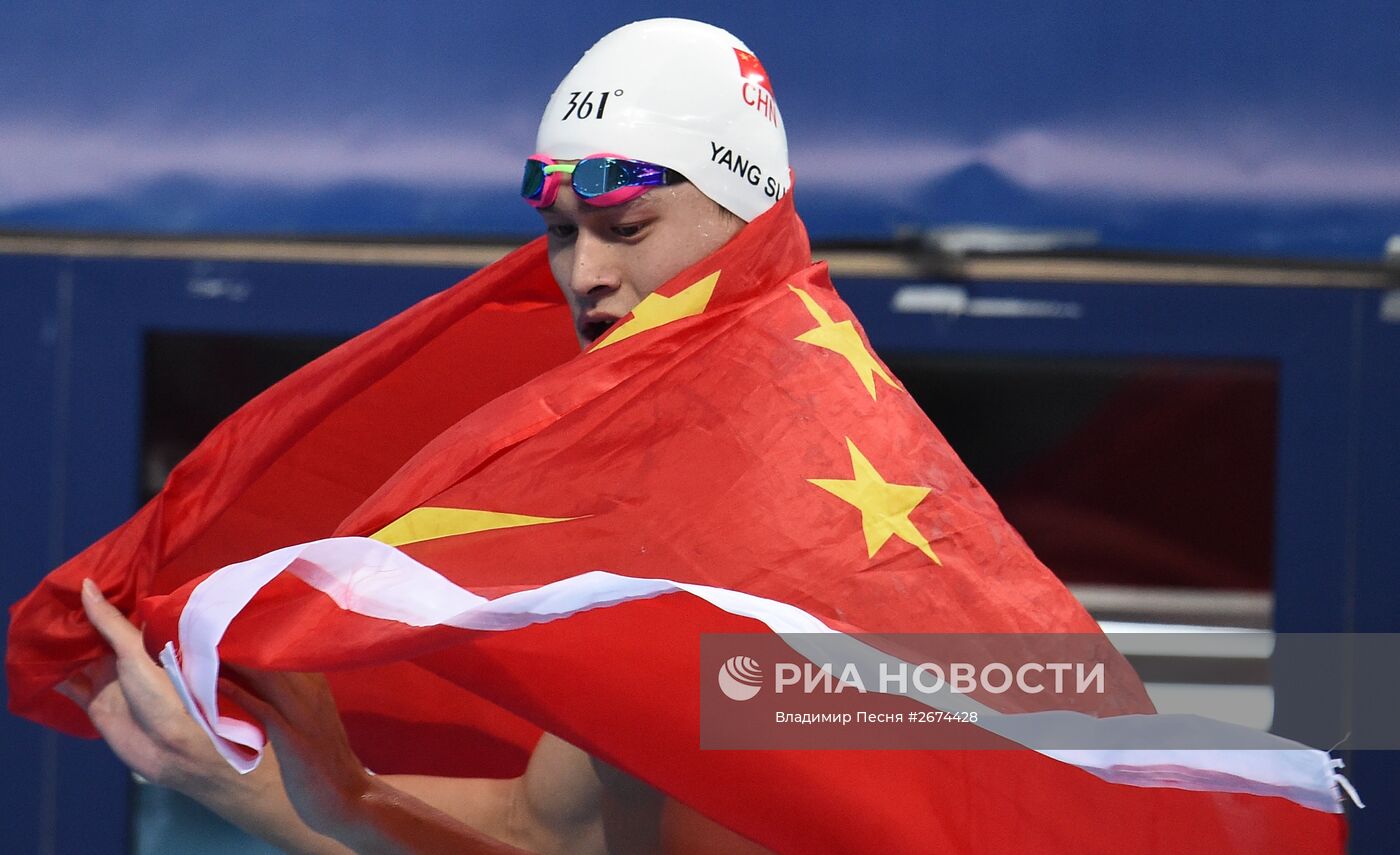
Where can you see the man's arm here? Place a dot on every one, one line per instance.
(551, 808)
(321, 803)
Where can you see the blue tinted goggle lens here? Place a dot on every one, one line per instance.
(591, 178)
(599, 175)
(532, 185)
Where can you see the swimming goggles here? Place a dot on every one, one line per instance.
(599, 179)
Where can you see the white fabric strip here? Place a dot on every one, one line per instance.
(369, 578)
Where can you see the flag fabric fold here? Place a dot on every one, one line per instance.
(287, 468)
(543, 549)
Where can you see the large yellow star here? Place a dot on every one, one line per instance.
(884, 507)
(842, 338)
(422, 524)
(656, 310)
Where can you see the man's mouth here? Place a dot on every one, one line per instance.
(592, 325)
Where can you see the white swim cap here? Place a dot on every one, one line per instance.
(681, 94)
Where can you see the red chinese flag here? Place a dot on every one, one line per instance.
(731, 457)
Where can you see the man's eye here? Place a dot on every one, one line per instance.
(628, 231)
(561, 231)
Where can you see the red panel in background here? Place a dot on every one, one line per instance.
(1155, 473)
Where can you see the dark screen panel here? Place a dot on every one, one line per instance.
(193, 381)
(1138, 472)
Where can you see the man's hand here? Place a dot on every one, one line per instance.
(322, 776)
(133, 705)
(331, 790)
(327, 794)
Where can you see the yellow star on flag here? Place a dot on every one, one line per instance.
(884, 507)
(842, 338)
(656, 310)
(422, 524)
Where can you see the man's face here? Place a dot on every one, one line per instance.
(606, 259)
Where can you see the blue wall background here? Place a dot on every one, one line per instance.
(1251, 127)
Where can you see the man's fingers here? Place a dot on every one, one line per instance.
(110, 623)
(150, 700)
(285, 690)
(290, 704)
(260, 709)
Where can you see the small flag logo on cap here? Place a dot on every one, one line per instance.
(752, 70)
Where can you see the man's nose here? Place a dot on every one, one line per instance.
(595, 271)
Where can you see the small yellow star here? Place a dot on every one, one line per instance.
(422, 524)
(656, 310)
(884, 507)
(842, 338)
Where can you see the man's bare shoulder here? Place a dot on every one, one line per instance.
(561, 798)
(579, 803)
(639, 818)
